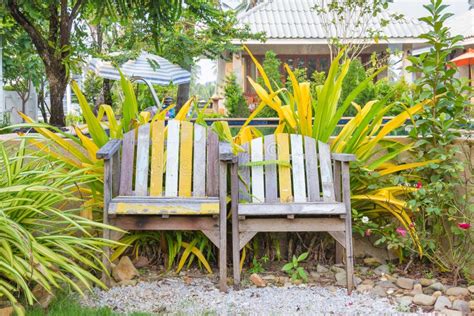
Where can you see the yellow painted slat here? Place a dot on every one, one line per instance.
(284, 172)
(161, 209)
(186, 159)
(157, 157)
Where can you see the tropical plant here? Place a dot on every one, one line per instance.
(45, 243)
(294, 268)
(234, 99)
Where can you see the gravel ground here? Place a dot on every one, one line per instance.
(200, 296)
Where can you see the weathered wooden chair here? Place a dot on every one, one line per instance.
(293, 192)
(172, 180)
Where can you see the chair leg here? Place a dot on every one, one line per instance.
(223, 259)
(106, 275)
(349, 263)
(223, 227)
(236, 252)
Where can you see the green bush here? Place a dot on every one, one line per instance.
(271, 64)
(234, 98)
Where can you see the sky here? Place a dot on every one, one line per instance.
(410, 8)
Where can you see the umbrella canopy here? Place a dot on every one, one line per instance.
(465, 59)
(152, 68)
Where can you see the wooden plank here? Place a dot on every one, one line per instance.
(256, 155)
(297, 162)
(244, 238)
(234, 197)
(291, 225)
(186, 159)
(271, 180)
(127, 167)
(109, 149)
(172, 159)
(247, 209)
(340, 237)
(223, 226)
(284, 172)
(157, 157)
(116, 165)
(199, 172)
(312, 174)
(244, 173)
(346, 196)
(213, 236)
(105, 218)
(160, 206)
(156, 222)
(212, 177)
(337, 180)
(326, 172)
(143, 157)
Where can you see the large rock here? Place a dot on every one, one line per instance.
(457, 291)
(423, 299)
(257, 280)
(461, 305)
(417, 289)
(405, 283)
(382, 269)
(437, 286)
(42, 295)
(321, 269)
(341, 278)
(442, 302)
(124, 270)
(364, 248)
(141, 262)
(427, 282)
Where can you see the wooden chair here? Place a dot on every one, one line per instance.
(299, 189)
(172, 180)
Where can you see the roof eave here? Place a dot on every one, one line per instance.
(319, 41)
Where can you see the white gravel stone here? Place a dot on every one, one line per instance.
(172, 295)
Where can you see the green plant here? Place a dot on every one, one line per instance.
(234, 98)
(45, 242)
(271, 65)
(355, 75)
(257, 265)
(294, 268)
(443, 212)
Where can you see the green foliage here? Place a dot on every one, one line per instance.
(355, 75)
(271, 65)
(257, 265)
(439, 204)
(301, 76)
(43, 245)
(294, 268)
(234, 98)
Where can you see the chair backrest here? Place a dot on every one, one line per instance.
(296, 170)
(179, 160)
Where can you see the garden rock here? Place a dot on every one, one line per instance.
(405, 300)
(257, 280)
(437, 286)
(364, 288)
(124, 270)
(380, 291)
(373, 261)
(337, 269)
(42, 295)
(405, 283)
(382, 269)
(457, 291)
(461, 305)
(417, 289)
(442, 302)
(426, 282)
(471, 305)
(471, 289)
(386, 284)
(141, 262)
(341, 279)
(423, 299)
(6, 311)
(321, 269)
(437, 294)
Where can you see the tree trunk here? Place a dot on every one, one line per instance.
(107, 90)
(57, 80)
(183, 96)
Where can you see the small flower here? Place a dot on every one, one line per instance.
(401, 231)
(365, 219)
(419, 185)
(464, 225)
(368, 232)
(412, 225)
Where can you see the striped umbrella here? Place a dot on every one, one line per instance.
(152, 68)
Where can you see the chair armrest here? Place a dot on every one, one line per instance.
(343, 157)
(108, 150)
(225, 152)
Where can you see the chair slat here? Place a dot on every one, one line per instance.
(186, 159)
(157, 157)
(128, 156)
(256, 154)
(244, 172)
(172, 159)
(297, 163)
(212, 183)
(284, 172)
(199, 172)
(143, 149)
(312, 174)
(326, 172)
(271, 181)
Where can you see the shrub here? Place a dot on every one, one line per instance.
(234, 98)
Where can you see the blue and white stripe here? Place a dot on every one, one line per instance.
(163, 73)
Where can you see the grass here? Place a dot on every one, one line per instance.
(68, 306)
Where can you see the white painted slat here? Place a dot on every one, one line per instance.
(199, 169)
(297, 157)
(271, 181)
(256, 155)
(143, 149)
(312, 173)
(172, 159)
(326, 172)
(244, 174)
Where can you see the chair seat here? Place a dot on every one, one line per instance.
(146, 205)
(309, 208)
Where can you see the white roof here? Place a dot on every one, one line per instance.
(463, 24)
(297, 20)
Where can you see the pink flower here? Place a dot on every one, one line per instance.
(419, 185)
(401, 231)
(368, 232)
(412, 225)
(464, 225)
